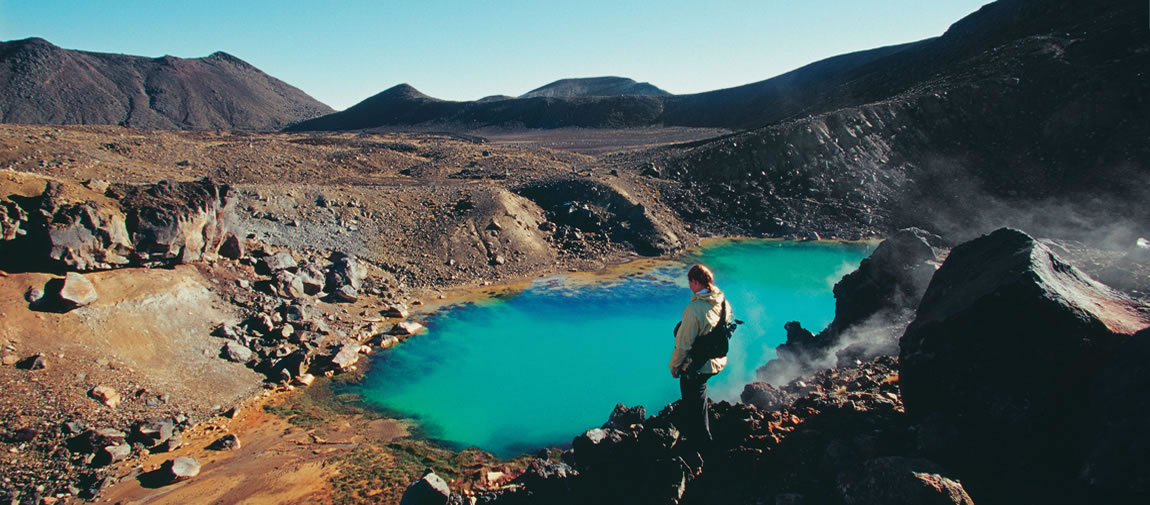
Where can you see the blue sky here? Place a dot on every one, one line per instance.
(341, 52)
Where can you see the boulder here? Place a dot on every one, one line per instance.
(178, 469)
(346, 294)
(304, 380)
(312, 276)
(547, 479)
(229, 442)
(893, 277)
(762, 396)
(406, 328)
(288, 285)
(1000, 358)
(9, 359)
(386, 341)
(34, 362)
(276, 262)
(347, 356)
(1116, 467)
(169, 445)
(152, 432)
(430, 489)
(397, 310)
(900, 481)
(76, 291)
(345, 270)
(91, 441)
(113, 454)
(873, 304)
(232, 247)
(106, 395)
(234, 351)
(623, 418)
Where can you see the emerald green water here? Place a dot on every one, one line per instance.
(534, 369)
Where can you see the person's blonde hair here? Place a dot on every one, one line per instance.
(702, 275)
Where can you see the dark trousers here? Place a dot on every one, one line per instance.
(695, 416)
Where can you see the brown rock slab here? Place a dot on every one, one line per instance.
(77, 291)
(107, 395)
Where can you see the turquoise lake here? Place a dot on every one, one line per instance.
(537, 367)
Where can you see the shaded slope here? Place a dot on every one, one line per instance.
(1041, 127)
(44, 84)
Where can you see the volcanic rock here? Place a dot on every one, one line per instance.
(34, 362)
(234, 351)
(232, 247)
(113, 454)
(345, 270)
(177, 222)
(288, 285)
(406, 328)
(900, 481)
(762, 395)
(397, 310)
(76, 291)
(1000, 358)
(276, 262)
(872, 306)
(227, 442)
(547, 479)
(13, 220)
(1115, 467)
(346, 294)
(107, 395)
(623, 417)
(92, 440)
(82, 235)
(312, 276)
(153, 432)
(347, 356)
(9, 359)
(430, 489)
(181, 468)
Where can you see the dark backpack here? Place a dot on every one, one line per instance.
(714, 343)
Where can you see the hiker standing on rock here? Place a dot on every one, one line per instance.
(700, 317)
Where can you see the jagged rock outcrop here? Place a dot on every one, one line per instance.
(70, 227)
(823, 442)
(430, 489)
(873, 305)
(999, 364)
(82, 235)
(176, 222)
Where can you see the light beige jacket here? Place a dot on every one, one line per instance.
(700, 316)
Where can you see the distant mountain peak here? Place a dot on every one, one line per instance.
(45, 84)
(594, 86)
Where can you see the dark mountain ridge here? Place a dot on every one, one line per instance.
(44, 84)
(1027, 113)
(594, 86)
